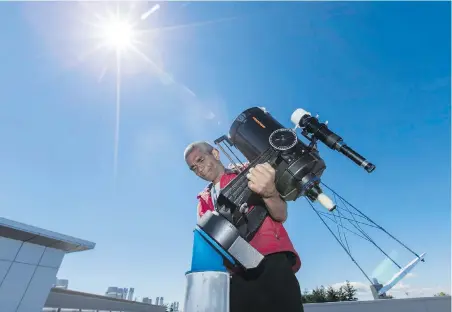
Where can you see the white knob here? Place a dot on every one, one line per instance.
(297, 115)
(326, 202)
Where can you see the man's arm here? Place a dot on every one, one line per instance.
(277, 207)
(262, 181)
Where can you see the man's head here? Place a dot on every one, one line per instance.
(204, 160)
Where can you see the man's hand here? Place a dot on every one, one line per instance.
(262, 180)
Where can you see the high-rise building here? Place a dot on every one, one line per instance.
(126, 290)
(161, 301)
(131, 291)
(157, 302)
(174, 306)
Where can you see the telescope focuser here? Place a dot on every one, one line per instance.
(314, 130)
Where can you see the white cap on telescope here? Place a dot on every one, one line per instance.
(297, 115)
(326, 202)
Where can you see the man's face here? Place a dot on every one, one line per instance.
(204, 165)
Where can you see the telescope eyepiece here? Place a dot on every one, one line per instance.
(369, 167)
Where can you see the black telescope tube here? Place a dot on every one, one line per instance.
(320, 131)
(333, 141)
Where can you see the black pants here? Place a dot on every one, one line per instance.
(273, 287)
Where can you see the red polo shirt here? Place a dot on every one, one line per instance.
(271, 237)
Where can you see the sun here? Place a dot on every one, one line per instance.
(118, 34)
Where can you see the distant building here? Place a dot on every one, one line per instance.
(111, 292)
(174, 306)
(61, 283)
(119, 293)
(131, 291)
(147, 300)
(161, 301)
(157, 302)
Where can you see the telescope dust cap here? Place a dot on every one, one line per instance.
(297, 115)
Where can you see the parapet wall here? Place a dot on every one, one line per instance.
(427, 304)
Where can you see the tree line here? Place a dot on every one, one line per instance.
(442, 294)
(321, 294)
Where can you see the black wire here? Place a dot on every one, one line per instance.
(340, 243)
(335, 201)
(234, 155)
(227, 155)
(370, 220)
(359, 215)
(372, 242)
(327, 216)
(342, 217)
(339, 231)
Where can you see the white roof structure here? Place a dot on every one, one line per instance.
(34, 235)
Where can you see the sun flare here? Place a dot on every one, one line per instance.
(118, 34)
(116, 39)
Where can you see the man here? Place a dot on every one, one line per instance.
(273, 286)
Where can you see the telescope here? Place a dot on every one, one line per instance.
(298, 166)
(298, 169)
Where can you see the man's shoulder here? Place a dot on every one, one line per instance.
(203, 201)
(205, 191)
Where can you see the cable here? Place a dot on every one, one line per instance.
(348, 253)
(370, 220)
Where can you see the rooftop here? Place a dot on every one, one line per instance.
(31, 234)
(80, 301)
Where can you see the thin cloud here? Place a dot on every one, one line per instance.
(410, 275)
(361, 288)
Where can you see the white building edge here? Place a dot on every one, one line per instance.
(29, 261)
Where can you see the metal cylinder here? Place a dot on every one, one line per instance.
(250, 132)
(207, 292)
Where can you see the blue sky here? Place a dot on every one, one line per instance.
(378, 72)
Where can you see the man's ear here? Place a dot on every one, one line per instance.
(216, 154)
